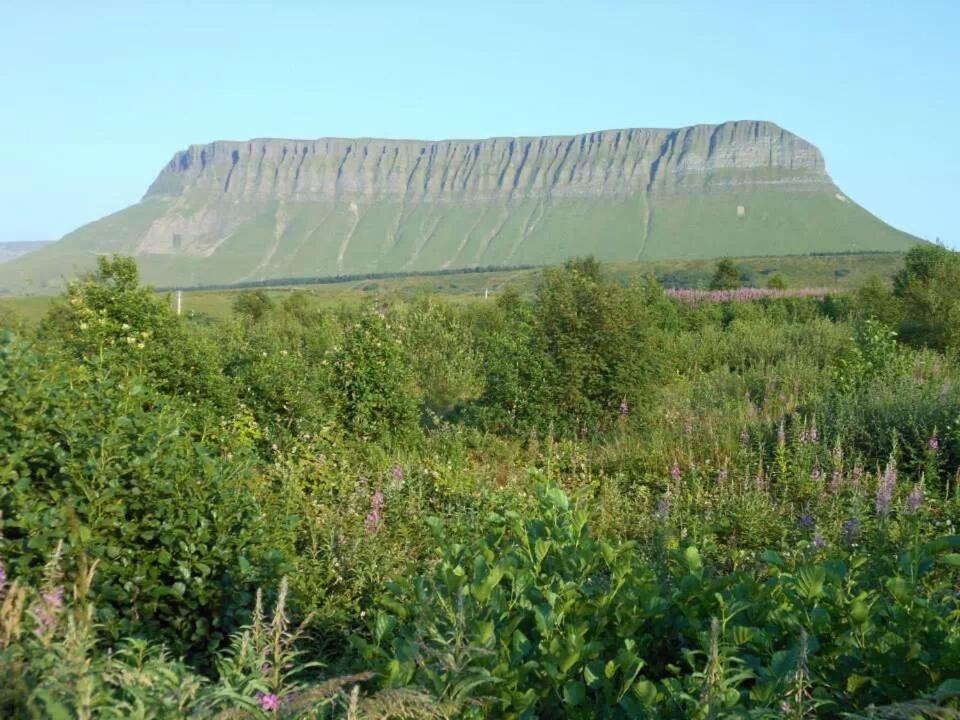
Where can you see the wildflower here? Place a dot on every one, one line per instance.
(915, 499)
(836, 481)
(688, 428)
(663, 508)
(47, 609)
(807, 521)
(398, 476)
(744, 438)
(856, 476)
(760, 482)
(816, 473)
(376, 502)
(268, 701)
(818, 542)
(84, 326)
(781, 435)
(850, 530)
(675, 472)
(125, 327)
(283, 353)
(722, 475)
(3, 576)
(885, 489)
(373, 521)
(933, 444)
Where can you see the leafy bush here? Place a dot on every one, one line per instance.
(375, 386)
(104, 464)
(539, 619)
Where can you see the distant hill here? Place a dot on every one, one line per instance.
(232, 212)
(11, 250)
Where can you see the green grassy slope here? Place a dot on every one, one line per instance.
(328, 238)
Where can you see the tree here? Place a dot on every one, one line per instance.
(777, 282)
(253, 305)
(725, 276)
(928, 289)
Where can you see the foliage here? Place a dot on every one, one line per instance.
(541, 619)
(102, 463)
(725, 276)
(376, 399)
(648, 503)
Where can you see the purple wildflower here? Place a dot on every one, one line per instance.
(886, 485)
(836, 481)
(850, 530)
(744, 438)
(856, 476)
(807, 521)
(3, 575)
(663, 508)
(624, 408)
(814, 435)
(398, 476)
(722, 475)
(915, 499)
(48, 609)
(373, 521)
(675, 472)
(933, 444)
(268, 701)
(816, 473)
(376, 502)
(760, 482)
(818, 542)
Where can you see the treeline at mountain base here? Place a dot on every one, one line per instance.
(599, 502)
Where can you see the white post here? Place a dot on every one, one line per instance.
(486, 293)
(179, 299)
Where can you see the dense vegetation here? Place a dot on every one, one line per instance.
(598, 502)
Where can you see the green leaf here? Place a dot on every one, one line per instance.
(772, 558)
(691, 556)
(855, 682)
(383, 625)
(574, 693)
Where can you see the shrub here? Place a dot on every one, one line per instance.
(104, 464)
(725, 276)
(375, 386)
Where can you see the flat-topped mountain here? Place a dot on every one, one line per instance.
(229, 212)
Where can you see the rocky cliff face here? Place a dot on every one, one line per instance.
(231, 212)
(611, 162)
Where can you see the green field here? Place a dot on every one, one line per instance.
(841, 272)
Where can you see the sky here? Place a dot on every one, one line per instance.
(97, 96)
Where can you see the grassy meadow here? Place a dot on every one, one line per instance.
(583, 497)
(838, 272)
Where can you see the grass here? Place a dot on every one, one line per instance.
(327, 238)
(841, 272)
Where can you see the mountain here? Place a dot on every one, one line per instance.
(13, 249)
(229, 212)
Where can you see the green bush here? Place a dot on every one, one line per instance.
(373, 381)
(98, 460)
(540, 619)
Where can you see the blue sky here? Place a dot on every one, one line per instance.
(97, 96)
